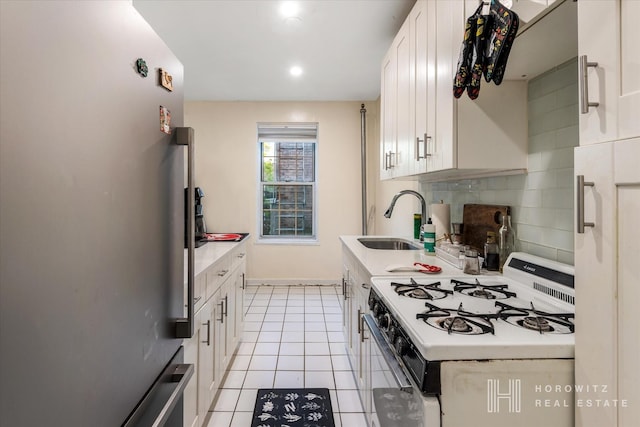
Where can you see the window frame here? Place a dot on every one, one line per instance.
(287, 239)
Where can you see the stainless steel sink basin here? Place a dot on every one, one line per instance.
(388, 243)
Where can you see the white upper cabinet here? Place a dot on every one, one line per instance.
(395, 121)
(446, 138)
(422, 33)
(609, 61)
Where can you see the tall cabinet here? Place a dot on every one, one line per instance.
(607, 209)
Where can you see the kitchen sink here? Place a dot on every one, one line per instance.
(388, 243)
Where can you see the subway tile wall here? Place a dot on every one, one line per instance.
(541, 200)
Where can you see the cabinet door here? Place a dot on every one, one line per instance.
(404, 134)
(450, 30)
(607, 297)
(240, 283)
(607, 36)
(206, 375)
(629, 65)
(191, 404)
(220, 359)
(388, 115)
(627, 186)
(423, 79)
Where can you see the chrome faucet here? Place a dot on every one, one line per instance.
(423, 205)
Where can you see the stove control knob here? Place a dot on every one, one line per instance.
(401, 346)
(384, 320)
(378, 310)
(392, 331)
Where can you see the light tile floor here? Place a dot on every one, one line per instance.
(293, 338)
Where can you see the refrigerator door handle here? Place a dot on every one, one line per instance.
(157, 406)
(185, 136)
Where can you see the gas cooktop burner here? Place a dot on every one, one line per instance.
(536, 320)
(431, 291)
(457, 321)
(479, 290)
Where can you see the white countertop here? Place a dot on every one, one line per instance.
(208, 254)
(377, 260)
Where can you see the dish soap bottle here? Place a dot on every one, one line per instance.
(429, 232)
(491, 253)
(507, 239)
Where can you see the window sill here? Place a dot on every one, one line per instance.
(288, 242)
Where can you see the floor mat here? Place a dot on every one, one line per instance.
(293, 407)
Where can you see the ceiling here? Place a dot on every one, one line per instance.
(242, 50)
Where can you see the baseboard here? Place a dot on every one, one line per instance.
(293, 282)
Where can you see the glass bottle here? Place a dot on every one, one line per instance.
(491, 253)
(507, 239)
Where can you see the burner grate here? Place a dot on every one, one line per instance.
(478, 290)
(415, 290)
(457, 321)
(536, 320)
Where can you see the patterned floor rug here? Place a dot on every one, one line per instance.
(297, 407)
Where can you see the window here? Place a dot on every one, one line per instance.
(288, 181)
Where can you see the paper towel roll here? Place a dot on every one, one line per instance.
(441, 217)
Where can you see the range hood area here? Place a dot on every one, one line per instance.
(548, 37)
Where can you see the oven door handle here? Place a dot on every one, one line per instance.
(394, 366)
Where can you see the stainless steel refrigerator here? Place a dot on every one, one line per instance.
(91, 214)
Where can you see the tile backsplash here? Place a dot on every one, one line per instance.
(542, 200)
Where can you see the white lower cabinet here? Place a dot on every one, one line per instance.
(218, 325)
(356, 288)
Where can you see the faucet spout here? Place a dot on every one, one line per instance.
(423, 204)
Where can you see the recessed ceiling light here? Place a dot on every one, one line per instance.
(295, 71)
(289, 9)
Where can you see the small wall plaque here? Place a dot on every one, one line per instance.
(166, 81)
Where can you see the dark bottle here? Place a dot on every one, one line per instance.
(491, 255)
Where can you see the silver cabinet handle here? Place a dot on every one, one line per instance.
(243, 281)
(359, 323)
(241, 255)
(222, 273)
(584, 65)
(362, 334)
(424, 147)
(364, 285)
(221, 304)
(185, 136)
(580, 223)
(208, 325)
(388, 160)
(226, 306)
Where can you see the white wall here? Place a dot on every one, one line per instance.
(227, 171)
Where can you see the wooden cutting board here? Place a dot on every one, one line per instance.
(477, 220)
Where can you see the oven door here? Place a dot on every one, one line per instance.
(394, 400)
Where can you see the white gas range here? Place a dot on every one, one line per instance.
(488, 350)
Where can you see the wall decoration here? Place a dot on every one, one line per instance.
(141, 67)
(166, 81)
(165, 120)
